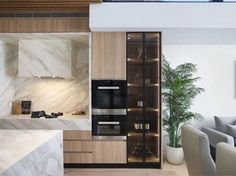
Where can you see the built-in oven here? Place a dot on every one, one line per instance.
(109, 124)
(109, 94)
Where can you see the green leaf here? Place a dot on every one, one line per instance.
(178, 92)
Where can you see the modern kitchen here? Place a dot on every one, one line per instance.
(72, 98)
(117, 87)
(95, 95)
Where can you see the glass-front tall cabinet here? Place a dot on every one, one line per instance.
(144, 98)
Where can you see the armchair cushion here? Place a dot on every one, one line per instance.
(231, 130)
(216, 136)
(222, 122)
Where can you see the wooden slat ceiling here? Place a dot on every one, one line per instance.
(46, 5)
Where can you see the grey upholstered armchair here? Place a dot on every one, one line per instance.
(197, 152)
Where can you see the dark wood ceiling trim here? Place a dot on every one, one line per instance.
(52, 5)
(42, 25)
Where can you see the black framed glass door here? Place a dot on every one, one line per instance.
(144, 100)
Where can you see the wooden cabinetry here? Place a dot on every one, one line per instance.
(77, 147)
(108, 55)
(80, 148)
(77, 135)
(74, 158)
(109, 152)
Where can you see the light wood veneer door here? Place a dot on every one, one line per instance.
(76, 135)
(78, 146)
(109, 152)
(77, 157)
(108, 55)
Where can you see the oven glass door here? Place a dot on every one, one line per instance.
(108, 128)
(109, 94)
(109, 125)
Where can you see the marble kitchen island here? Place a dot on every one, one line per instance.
(31, 153)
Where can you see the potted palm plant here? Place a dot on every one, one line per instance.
(178, 92)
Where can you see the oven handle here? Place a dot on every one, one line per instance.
(108, 87)
(108, 123)
(109, 111)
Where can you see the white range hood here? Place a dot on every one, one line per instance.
(45, 58)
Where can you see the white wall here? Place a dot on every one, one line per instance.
(160, 16)
(216, 66)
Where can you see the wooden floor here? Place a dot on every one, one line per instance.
(118, 172)
(168, 170)
(180, 170)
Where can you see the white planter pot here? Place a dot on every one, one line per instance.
(174, 155)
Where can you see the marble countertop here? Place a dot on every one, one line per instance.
(15, 145)
(65, 122)
(64, 117)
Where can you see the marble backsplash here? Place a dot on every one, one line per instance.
(8, 71)
(51, 95)
(45, 58)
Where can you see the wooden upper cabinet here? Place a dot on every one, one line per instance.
(109, 55)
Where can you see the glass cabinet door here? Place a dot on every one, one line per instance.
(152, 96)
(135, 50)
(143, 79)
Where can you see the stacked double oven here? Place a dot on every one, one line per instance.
(109, 109)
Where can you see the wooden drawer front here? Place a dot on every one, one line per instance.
(76, 135)
(77, 157)
(77, 146)
(109, 152)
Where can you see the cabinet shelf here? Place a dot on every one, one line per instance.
(151, 159)
(140, 134)
(140, 85)
(139, 61)
(140, 109)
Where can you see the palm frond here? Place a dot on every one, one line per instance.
(179, 91)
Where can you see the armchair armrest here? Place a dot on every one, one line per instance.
(225, 160)
(215, 137)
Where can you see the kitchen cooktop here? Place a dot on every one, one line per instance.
(39, 114)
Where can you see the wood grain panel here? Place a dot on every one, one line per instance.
(108, 55)
(174, 170)
(30, 25)
(76, 135)
(39, 5)
(77, 157)
(109, 152)
(77, 146)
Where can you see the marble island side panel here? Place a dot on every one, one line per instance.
(24, 122)
(31, 153)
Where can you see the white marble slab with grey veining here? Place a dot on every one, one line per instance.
(31, 153)
(51, 95)
(66, 122)
(46, 58)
